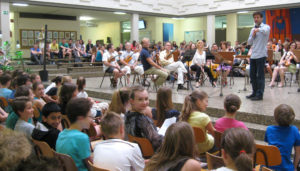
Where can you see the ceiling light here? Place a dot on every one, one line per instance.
(243, 12)
(175, 18)
(120, 13)
(85, 18)
(20, 4)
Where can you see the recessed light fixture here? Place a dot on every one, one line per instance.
(243, 12)
(20, 4)
(120, 13)
(85, 18)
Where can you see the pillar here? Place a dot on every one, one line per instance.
(231, 30)
(210, 29)
(5, 27)
(134, 34)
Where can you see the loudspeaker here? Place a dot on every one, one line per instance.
(108, 40)
(44, 75)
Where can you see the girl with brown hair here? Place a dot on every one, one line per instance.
(192, 112)
(237, 150)
(164, 106)
(120, 101)
(178, 150)
(67, 92)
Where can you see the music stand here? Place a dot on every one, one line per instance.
(297, 54)
(270, 57)
(221, 58)
(188, 57)
(244, 59)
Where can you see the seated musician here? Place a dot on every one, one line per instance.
(150, 67)
(130, 61)
(286, 60)
(111, 65)
(64, 49)
(199, 64)
(166, 58)
(225, 68)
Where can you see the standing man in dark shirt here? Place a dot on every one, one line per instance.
(150, 67)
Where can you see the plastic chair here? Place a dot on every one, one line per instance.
(267, 155)
(213, 161)
(65, 122)
(144, 144)
(66, 160)
(218, 138)
(199, 135)
(95, 168)
(43, 149)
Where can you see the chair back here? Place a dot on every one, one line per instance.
(266, 169)
(95, 168)
(218, 138)
(36, 112)
(66, 161)
(199, 135)
(42, 149)
(65, 122)
(267, 155)
(213, 161)
(3, 102)
(144, 144)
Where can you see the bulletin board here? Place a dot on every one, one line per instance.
(29, 37)
(193, 36)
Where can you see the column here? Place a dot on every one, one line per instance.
(5, 30)
(210, 29)
(231, 30)
(134, 34)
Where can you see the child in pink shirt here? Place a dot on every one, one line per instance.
(232, 103)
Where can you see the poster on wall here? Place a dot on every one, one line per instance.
(168, 31)
(55, 35)
(49, 34)
(30, 42)
(61, 35)
(24, 42)
(193, 36)
(73, 35)
(36, 34)
(67, 35)
(30, 34)
(24, 34)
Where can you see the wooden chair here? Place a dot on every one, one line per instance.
(144, 144)
(213, 161)
(266, 169)
(3, 102)
(95, 168)
(43, 149)
(218, 138)
(199, 135)
(66, 160)
(267, 155)
(65, 122)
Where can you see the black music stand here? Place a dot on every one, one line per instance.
(188, 57)
(244, 60)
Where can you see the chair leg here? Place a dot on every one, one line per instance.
(133, 79)
(102, 79)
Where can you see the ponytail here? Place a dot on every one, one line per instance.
(244, 162)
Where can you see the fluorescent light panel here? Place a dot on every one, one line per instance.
(20, 4)
(85, 18)
(243, 12)
(120, 13)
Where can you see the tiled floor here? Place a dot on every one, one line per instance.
(272, 96)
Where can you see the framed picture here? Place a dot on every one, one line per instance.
(36, 41)
(36, 34)
(55, 35)
(24, 34)
(30, 34)
(67, 35)
(30, 42)
(49, 40)
(73, 35)
(61, 35)
(49, 36)
(24, 42)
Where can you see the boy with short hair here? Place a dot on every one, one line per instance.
(47, 130)
(5, 81)
(72, 141)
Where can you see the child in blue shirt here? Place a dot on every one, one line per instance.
(5, 81)
(72, 141)
(284, 136)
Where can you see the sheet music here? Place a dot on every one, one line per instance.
(166, 125)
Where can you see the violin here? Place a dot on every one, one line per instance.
(112, 58)
(129, 57)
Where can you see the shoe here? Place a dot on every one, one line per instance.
(197, 85)
(250, 96)
(271, 85)
(214, 84)
(298, 90)
(280, 85)
(257, 98)
(181, 87)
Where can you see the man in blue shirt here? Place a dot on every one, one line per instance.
(150, 67)
(36, 55)
(258, 38)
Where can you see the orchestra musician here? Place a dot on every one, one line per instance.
(166, 58)
(130, 61)
(111, 65)
(150, 67)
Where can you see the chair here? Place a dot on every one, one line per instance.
(95, 168)
(110, 75)
(267, 155)
(144, 144)
(3, 102)
(66, 160)
(218, 138)
(65, 122)
(266, 169)
(199, 135)
(43, 149)
(213, 161)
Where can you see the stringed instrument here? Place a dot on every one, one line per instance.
(112, 58)
(175, 54)
(129, 57)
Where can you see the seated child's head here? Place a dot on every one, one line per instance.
(51, 114)
(24, 91)
(78, 111)
(5, 80)
(232, 103)
(67, 92)
(22, 106)
(139, 98)
(284, 115)
(35, 78)
(23, 79)
(111, 125)
(38, 89)
(80, 83)
(66, 79)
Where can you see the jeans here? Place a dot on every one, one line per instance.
(36, 59)
(198, 72)
(257, 76)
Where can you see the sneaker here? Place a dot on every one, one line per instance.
(181, 87)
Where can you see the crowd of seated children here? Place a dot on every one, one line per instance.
(138, 124)
(71, 140)
(192, 112)
(285, 136)
(164, 106)
(114, 153)
(178, 150)
(232, 104)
